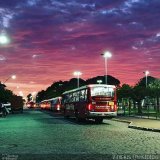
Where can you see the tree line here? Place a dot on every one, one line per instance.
(140, 92)
(57, 88)
(135, 93)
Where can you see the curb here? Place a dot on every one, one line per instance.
(131, 125)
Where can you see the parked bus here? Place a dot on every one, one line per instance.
(45, 104)
(95, 101)
(31, 104)
(53, 104)
(56, 103)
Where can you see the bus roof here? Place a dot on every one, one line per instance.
(54, 98)
(89, 86)
(46, 100)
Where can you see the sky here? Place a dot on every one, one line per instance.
(50, 39)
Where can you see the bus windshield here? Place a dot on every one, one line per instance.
(102, 91)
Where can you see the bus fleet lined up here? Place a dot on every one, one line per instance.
(97, 101)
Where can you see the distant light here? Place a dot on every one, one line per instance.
(4, 39)
(158, 35)
(107, 54)
(13, 76)
(2, 58)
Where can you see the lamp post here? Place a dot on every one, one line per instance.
(12, 77)
(106, 55)
(77, 73)
(146, 74)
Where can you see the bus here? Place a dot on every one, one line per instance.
(45, 104)
(97, 101)
(53, 104)
(56, 104)
(31, 104)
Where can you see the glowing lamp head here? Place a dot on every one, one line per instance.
(4, 39)
(13, 76)
(107, 55)
(146, 73)
(77, 73)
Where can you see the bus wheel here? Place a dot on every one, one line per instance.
(98, 120)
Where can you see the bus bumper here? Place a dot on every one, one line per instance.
(102, 114)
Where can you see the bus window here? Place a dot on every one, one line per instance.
(102, 91)
(83, 95)
(75, 96)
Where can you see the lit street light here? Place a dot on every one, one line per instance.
(12, 77)
(146, 74)
(77, 73)
(106, 55)
(3, 39)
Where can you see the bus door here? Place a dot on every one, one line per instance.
(80, 102)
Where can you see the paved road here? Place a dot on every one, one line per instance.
(37, 134)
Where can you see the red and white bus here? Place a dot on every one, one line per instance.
(53, 104)
(95, 101)
(45, 104)
(56, 103)
(31, 104)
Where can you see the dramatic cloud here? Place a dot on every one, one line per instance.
(49, 39)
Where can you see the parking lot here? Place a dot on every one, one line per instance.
(38, 134)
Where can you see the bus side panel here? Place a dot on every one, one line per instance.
(80, 107)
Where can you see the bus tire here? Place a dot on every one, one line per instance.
(99, 120)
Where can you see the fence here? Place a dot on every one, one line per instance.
(147, 108)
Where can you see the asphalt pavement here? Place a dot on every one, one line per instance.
(45, 135)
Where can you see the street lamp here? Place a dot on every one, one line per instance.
(106, 55)
(12, 77)
(3, 39)
(77, 73)
(146, 74)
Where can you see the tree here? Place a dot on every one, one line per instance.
(57, 88)
(17, 102)
(142, 81)
(155, 92)
(5, 95)
(126, 91)
(124, 94)
(111, 80)
(2, 85)
(140, 91)
(29, 97)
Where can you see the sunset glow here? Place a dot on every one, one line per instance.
(50, 39)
